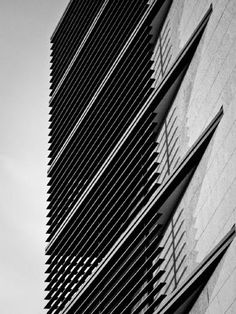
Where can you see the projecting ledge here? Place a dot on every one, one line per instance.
(183, 298)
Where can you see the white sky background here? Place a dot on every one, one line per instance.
(25, 29)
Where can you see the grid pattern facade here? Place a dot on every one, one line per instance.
(117, 172)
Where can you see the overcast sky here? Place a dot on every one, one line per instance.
(25, 30)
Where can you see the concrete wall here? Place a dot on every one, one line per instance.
(210, 201)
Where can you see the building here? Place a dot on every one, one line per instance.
(142, 172)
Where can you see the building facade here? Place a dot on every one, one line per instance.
(142, 170)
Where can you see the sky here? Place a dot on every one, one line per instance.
(25, 30)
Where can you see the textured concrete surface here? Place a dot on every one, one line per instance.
(210, 201)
